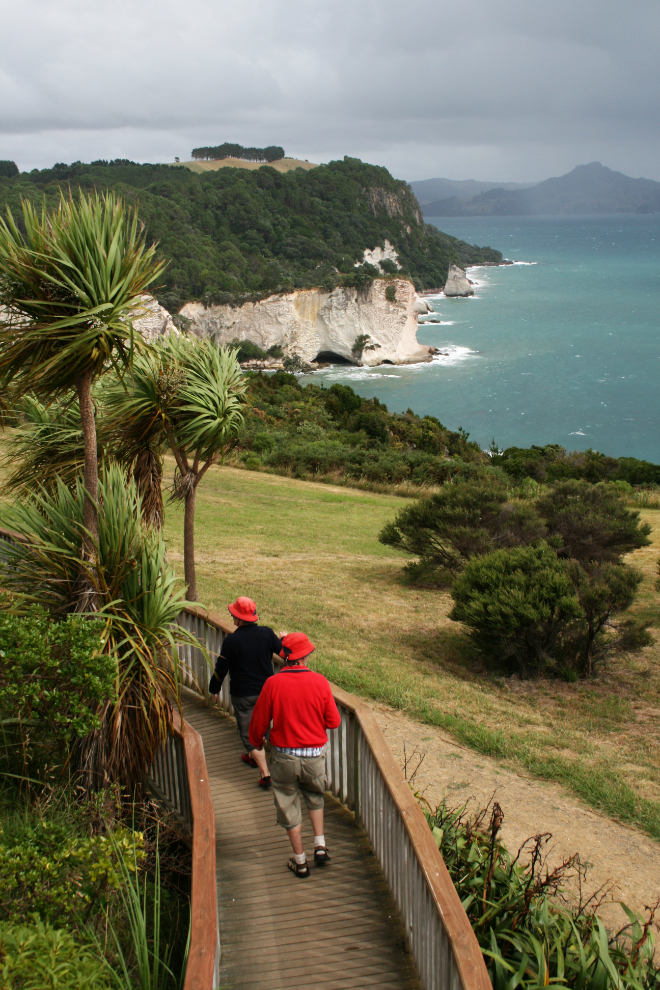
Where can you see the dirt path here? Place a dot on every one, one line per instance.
(616, 852)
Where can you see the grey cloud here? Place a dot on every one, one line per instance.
(426, 88)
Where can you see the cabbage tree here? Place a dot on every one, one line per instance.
(69, 281)
(186, 395)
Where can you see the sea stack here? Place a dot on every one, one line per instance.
(457, 283)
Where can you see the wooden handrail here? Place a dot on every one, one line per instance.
(10, 536)
(467, 953)
(203, 901)
(212, 618)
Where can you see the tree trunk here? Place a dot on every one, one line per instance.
(91, 480)
(90, 511)
(189, 544)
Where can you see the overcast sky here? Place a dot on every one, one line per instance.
(503, 90)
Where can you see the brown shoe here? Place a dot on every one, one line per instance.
(300, 871)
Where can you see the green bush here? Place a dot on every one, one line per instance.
(54, 676)
(46, 871)
(529, 938)
(466, 519)
(517, 605)
(39, 957)
(592, 521)
(248, 351)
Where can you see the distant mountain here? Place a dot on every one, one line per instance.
(588, 189)
(429, 190)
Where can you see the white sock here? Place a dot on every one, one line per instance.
(319, 840)
(300, 858)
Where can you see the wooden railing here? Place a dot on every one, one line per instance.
(179, 779)
(364, 776)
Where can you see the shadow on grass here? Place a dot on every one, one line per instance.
(450, 649)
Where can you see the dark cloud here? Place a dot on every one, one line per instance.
(492, 90)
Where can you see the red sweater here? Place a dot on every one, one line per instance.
(300, 703)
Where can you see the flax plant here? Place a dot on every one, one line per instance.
(185, 396)
(68, 286)
(48, 444)
(137, 594)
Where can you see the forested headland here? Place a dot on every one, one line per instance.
(234, 234)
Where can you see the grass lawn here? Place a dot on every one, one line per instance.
(308, 554)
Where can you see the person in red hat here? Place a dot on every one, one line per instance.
(300, 705)
(247, 656)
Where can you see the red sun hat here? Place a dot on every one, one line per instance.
(245, 609)
(295, 646)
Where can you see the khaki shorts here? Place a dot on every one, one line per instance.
(293, 777)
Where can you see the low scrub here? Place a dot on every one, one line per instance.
(530, 935)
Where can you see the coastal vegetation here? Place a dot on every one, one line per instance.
(529, 933)
(235, 234)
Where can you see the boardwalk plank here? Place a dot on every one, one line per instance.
(339, 929)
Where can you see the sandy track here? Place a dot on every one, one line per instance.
(618, 853)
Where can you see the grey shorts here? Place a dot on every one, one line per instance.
(293, 778)
(243, 708)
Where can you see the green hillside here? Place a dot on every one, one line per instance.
(235, 233)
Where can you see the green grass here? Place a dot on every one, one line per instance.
(310, 558)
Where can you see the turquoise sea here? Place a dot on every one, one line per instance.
(561, 347)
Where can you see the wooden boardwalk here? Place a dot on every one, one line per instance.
(338, 929)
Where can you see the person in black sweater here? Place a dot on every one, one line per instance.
(247, 656)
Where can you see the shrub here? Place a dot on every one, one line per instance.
(602, 591)
(341, 399)
(593, 522)
(529, 938)
(54, 678)
(36, 956)
(247, 350)
(464, 520)
(46, 871)
(517, 604)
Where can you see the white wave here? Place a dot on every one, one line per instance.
(577, 433)
(342, 371)
(453, 354)
(525, 262)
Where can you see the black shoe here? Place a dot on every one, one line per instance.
(264, 782)
(321, 856)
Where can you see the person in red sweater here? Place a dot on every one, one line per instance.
(300, 704)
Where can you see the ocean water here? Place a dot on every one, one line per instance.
(561, 347)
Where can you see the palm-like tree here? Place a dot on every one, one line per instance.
(185, 395)
(68, 286)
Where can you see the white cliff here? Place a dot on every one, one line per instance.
(457, 283)
(315, 324)
(378, 254)
(153, 320)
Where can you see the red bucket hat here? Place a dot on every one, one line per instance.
(245, 609)
(295, 646)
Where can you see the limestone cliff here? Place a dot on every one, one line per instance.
(323, 325)
(457, 283)
(153, 320)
